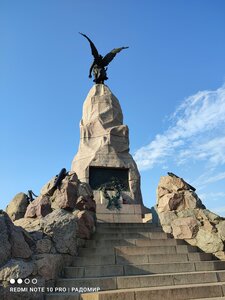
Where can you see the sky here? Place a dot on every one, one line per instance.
(170, 84)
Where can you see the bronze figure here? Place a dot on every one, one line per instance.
(30, 195)
(98, 67)
(62, 174)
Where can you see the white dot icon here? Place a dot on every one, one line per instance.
(27, 280)
(19, 280)
(12, 281)
(34, 280)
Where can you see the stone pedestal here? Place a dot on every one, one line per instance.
(104, 147)
(129, 213)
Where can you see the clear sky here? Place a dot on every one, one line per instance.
(170, 84)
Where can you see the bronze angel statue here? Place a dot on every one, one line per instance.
(98, 67)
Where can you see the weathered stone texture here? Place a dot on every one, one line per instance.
(86, 224)
(16, 268)
(184, 228)
(5, 246)
(13, 240)
(182, 214)
(49, 265)
(40, 207)
(104, 140)
(61, 226)
(30, 224)
(17, 207)
(47, 237)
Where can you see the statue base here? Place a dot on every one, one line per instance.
(129, 213)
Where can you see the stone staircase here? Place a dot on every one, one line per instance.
(133, 261)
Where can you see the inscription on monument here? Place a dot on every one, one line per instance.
(102, 175)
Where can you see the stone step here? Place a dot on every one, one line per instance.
(124, 282)
(127, 225)
(162, 258)
(109, 230)
(142, 269)
(139, 259)
(214, 298)
(134, 250)
(180, 292)
(103, 244)
(128, 235)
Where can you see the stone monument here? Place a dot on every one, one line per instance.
(104, 154)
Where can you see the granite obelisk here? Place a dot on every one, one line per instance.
(104, 147)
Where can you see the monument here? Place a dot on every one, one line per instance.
(99, 64)
(103, 156)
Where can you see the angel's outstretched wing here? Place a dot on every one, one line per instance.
(94, 51)
(109, 57)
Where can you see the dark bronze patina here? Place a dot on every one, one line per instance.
(62, 174)
(30, 195)
(98, 67)
(99, 176)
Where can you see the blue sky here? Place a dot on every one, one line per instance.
(170, 84)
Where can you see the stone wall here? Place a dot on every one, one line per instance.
(182, 214)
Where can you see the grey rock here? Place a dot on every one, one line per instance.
(17, 207)
(44, 246)
(40, 207)
(5, 246)
(49, 265)
(60, 225)
(209, 242)
(13, 241)
(29, 224)
(16, 268)
(221, 230)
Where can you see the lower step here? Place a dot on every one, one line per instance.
(130, 235)
(124, 282)
(123, 259)
(184, 292)
(142, 269)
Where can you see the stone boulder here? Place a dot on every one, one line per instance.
(13, 240)
(5, 246)
(209, 242)
(44, 245)
(17, 207)
(221, 230)
(85, 190)
(61, 226)
(49, 265)
(71, 194)
(19, 247)
(16, 268)
(40, 207)
(47, 237)
(86, 203)
(170, 184)
(85, 222)
(184, 228)
(182, 214)
(29, 224)
(48, 189)
(66, 196)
